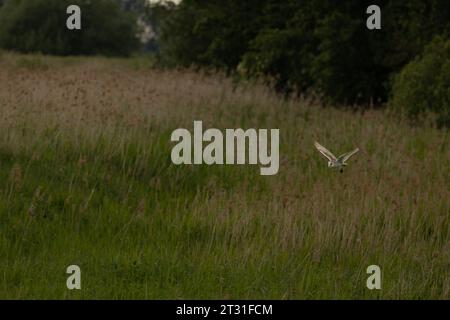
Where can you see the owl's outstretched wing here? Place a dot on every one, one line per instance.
(325, 152)
(347, 155)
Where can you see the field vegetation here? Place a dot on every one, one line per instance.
(86, 179)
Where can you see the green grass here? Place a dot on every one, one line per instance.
(88, 181)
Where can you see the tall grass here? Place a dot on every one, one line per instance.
(86, 179)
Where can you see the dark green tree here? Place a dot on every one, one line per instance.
(40, 26)
(213, 33)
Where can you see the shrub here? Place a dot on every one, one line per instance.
(40, 26)
(424, 84)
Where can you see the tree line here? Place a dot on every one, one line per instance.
(307, 44)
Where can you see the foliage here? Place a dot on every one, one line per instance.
(424, 84)
(314, 45)
(215, 33)
(105, 28)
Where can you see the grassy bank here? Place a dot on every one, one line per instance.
(86, 179)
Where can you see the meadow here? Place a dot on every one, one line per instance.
(86, 179)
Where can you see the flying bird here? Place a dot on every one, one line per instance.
(333, 162)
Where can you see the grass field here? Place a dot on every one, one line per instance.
(86, 179)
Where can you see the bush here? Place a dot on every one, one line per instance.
(424, 84)
(40, 26)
